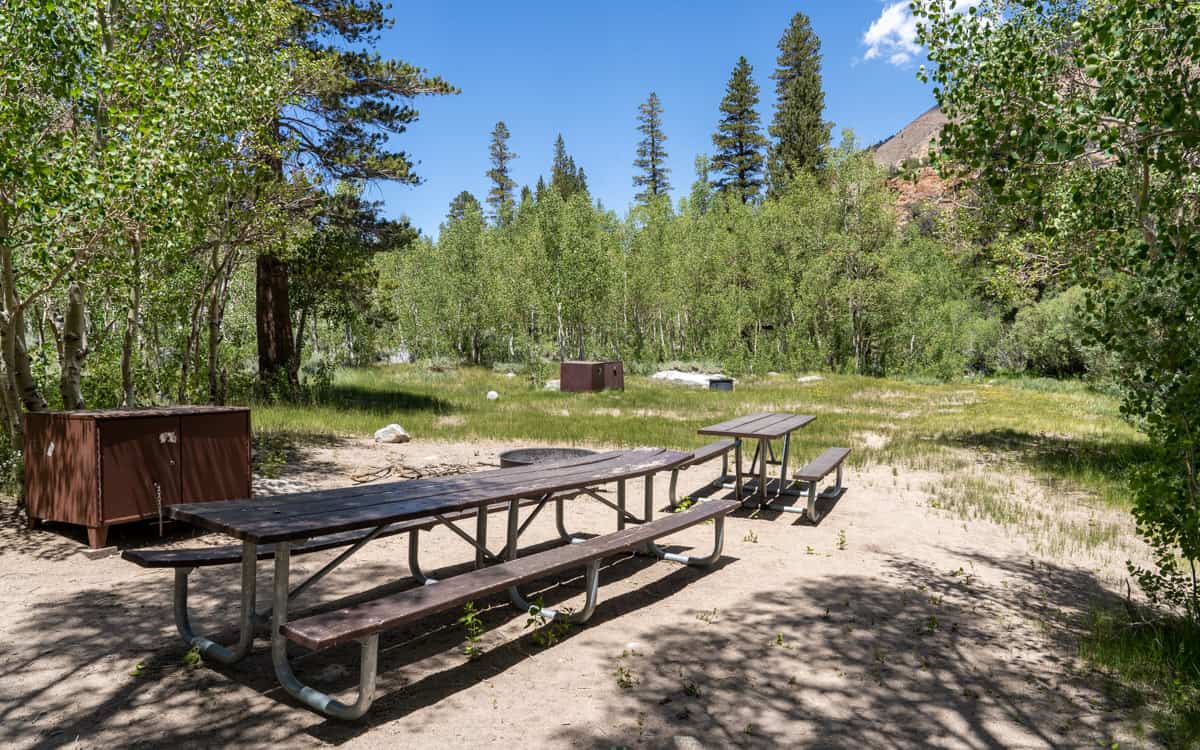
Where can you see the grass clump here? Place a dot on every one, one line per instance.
(1152, 667)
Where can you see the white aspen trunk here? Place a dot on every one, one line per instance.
(74, 347)
(132, 320)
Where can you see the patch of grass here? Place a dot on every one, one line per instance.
(1071, 437)
(975, 497)
(1151, 668)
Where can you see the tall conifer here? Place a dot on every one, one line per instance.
(739, 139)
(500, 197)
(799, 132)
(652, 154)
(565, 177)
(340, 122)
(461, 205)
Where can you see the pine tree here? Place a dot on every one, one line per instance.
(500, 197)
(341, 123)
(462, 204)
(799, 132)
(565, 177)
(739, 139)
(652, 155)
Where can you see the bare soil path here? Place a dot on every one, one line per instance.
(892, 624)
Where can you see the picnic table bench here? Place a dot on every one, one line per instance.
(280, 526)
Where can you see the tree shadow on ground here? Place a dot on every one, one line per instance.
(69, 669)
(358, 398)
(1056, 455)
(862, 662)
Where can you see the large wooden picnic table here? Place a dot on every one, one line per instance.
(764, 428)
(287, 520)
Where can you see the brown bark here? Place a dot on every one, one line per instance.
(276, 349)
(276, 346)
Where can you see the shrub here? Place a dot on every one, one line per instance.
(1050, 338)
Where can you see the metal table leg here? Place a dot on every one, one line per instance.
(762, 471)
(787, 446)
(620, 504)
(737, 467)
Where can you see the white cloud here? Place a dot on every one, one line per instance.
(893, 36)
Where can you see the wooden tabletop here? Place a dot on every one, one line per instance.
(759, 426)
(311, 514)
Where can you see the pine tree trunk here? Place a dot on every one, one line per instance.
(276, 349)
(74, 348)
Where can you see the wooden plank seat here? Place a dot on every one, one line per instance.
(812, 473)
(704, 455)
(364, 622)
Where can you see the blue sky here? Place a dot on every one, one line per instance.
(582, 69)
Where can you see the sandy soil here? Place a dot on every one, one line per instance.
(891, 624)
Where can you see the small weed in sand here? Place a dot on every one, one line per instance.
(625, 678)
(841, 539)
(549, 631)
(138, 669)
(750, 537)
(473, 629)
(192, 658)
(708, 617)
(691, 689)
(684, 503)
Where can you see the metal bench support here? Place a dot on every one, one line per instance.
(246, 620)
(810, 510)
(312, 697)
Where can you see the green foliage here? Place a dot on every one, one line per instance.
(566, 178)
(824, 280)
(801, 136)
(461, 205)
(1150, 668)
(1079, 115)
(739, 158)
(651, 153)
(1051, 337)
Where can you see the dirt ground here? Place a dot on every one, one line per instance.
(891, 624)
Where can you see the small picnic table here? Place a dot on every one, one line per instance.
(764, 428)
(287, 521)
